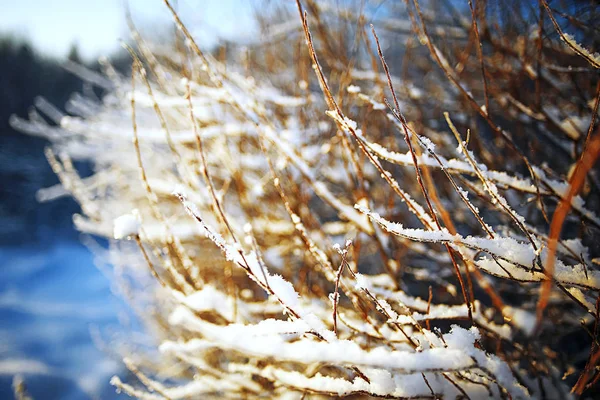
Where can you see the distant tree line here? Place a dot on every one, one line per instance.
(24, 75)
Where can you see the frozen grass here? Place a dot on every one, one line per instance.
(313, 223)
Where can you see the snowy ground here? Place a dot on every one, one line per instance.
(50, 300)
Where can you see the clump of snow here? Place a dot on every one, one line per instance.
(524, 320)
(361, 281)
(207, 299)
(126, 226)
(351, 123)
(284, 290)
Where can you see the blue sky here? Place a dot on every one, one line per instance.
(97, 25)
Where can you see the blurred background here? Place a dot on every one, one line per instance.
(56, 305)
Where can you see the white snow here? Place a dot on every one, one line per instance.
(513, 256)
(126, 226)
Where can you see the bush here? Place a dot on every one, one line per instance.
(306, 218)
